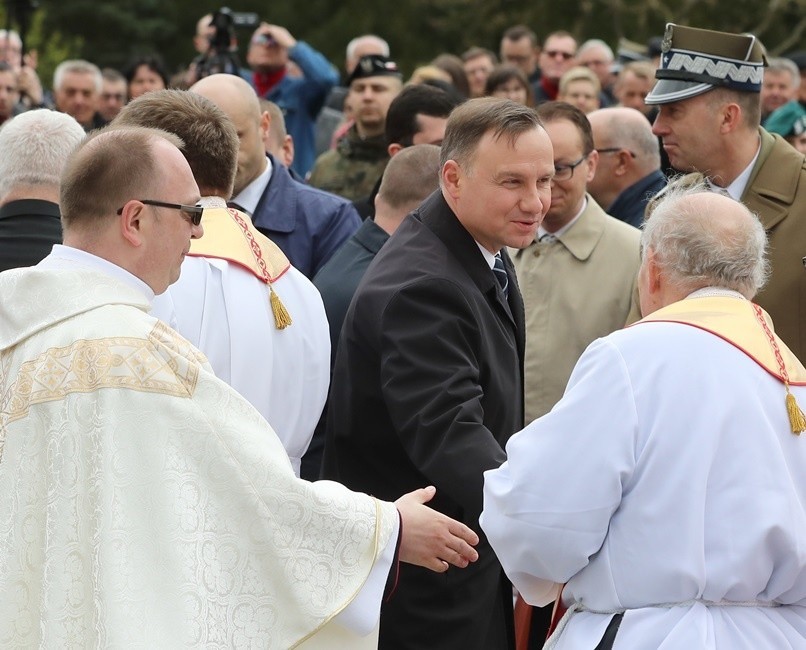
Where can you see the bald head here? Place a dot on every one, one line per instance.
(695, 239)
(628, 151)
(237, 99)
(409, 178)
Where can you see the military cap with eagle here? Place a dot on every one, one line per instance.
(694, 61)
(374, 65)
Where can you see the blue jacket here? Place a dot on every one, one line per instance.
(307, 224)
(301, 99)
(630, 204)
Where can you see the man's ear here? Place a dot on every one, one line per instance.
(624, 158)
(593, 162)
(453, 179)
(394, 148)
(131, 222)
(265, 125)
(654, 275)
(732, 117)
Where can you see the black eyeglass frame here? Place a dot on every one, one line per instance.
(614, 150)
(560, 170)
(193, 212)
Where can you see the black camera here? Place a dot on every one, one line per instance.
(222, 57)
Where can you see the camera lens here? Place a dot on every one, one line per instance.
(263, 39)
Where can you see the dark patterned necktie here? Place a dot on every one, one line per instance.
(501, 275)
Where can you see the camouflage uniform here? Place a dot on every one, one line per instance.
(352, 169)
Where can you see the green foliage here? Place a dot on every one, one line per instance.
(112, 32)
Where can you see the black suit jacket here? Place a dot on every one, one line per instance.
(427, 389)
(28, 230)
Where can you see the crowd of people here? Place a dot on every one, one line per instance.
(504, 355)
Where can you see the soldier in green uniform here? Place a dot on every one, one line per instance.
(353, 167)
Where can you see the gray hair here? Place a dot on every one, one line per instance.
(35, 146)
(11, 35)
(596, 43)
(468, 123)
(352, 46)
(80, 66)
(633, 134)
(782, 64)
(696, 246)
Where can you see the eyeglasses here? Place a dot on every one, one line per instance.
(615, 149)
(192, 212)
(552, 54)
(565, 172)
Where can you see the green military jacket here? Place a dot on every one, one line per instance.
(776, 192)
(353, 167)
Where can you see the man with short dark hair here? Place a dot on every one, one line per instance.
(418, 115)
(520, 47)
(709, 114)
(556, 58)
(114, 94)
(428, 375)
(478, 63)
(351, 169)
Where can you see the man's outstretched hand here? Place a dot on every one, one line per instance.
(431, 539)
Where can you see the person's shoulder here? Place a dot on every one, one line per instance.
(325, 161)
(319, 195)
(295, 281)
(780, 152)
(622, 231)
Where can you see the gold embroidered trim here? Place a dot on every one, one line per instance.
(161, 363)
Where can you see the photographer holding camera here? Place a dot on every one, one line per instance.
(271, 49)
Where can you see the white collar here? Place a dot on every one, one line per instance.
(561, 231)
(249, 197)
(212, 202)
(715, 292)
(736, 189)
(67, 257)
(488, 256)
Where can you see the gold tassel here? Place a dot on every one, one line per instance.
(282, 318)
(796, 419)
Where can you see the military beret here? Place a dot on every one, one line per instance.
(694, 61)
(789, 119)
(374, 65)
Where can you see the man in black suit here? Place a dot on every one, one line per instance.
(35, 146)
(428, 380)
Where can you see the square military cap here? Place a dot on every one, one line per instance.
(374, 65)
(694, 61)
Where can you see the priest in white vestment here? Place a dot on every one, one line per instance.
(143, 502)
(259, 321)
(667, 489)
